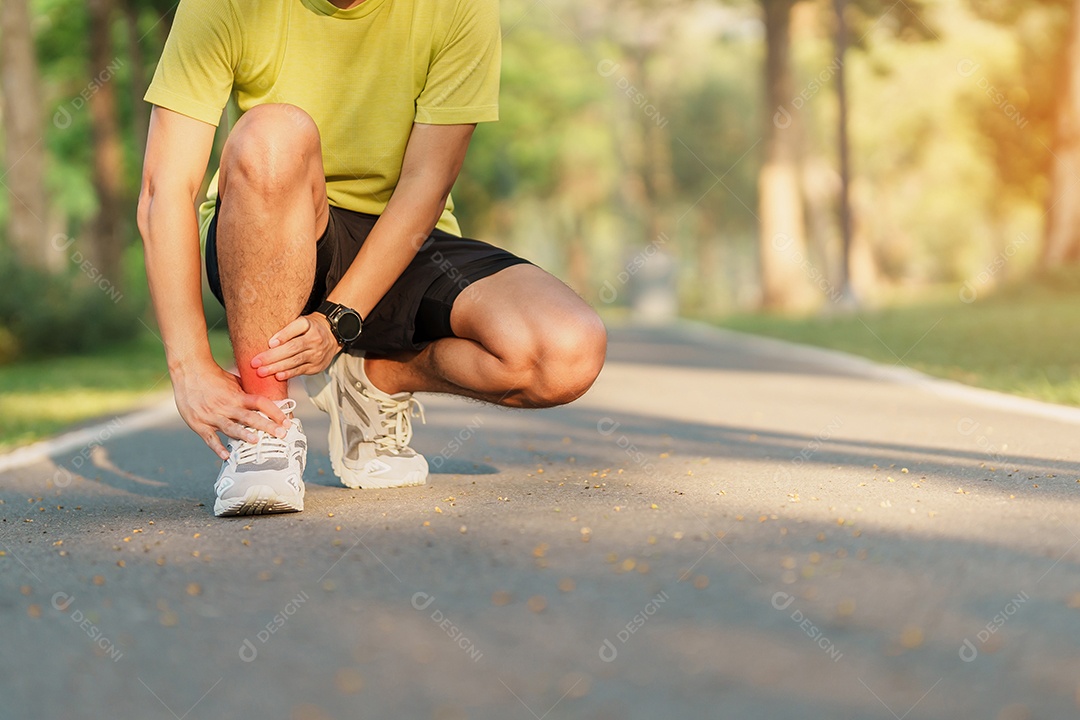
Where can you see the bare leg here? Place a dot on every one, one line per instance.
(273, 209)
(524, 340)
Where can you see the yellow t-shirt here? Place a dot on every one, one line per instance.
(365, 75)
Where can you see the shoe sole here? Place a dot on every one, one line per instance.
(351, 478)
(359, 481)
(258, 500)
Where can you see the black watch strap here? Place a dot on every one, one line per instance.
(345, 323)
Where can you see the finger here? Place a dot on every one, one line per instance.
(295, 329)
(267, 407)
(288, 364)
(239, 432)
(252, 419)
(302, 369)
(282, 352)
(315, 364)
(214, 443)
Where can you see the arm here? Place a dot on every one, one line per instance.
(208, 398)
(433, 159)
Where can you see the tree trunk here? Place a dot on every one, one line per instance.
(140, 111)
(653, 293)
(1062, 243)
(785, 267)
(660, 177)
(106, 238)
(635, 193)
(707, 251)
(847, 292)
(24, 147)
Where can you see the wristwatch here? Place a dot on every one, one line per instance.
(345, 322)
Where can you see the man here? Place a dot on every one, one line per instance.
(330, 237)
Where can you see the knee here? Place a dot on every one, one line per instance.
(270, 150)
(570, 355)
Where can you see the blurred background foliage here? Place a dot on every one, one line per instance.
(692, 143)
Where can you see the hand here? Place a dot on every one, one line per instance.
(211, 400)
(303, 347)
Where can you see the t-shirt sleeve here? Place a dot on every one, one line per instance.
(463, 78)
(195, 74)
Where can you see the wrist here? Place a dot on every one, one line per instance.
(325, 322)
(181, 365)
(345, 324)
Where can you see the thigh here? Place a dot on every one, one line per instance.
(517, 309)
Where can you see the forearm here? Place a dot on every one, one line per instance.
(170, 233)
(404, 226)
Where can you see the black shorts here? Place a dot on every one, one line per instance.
(416, 309)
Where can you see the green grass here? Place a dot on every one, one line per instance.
(41, 397)
(1023, 340)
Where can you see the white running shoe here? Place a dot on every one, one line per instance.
(369, 430)
(266, 476)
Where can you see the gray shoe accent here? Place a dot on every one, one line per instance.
(354, 439)
(345, 396)
(265, 465)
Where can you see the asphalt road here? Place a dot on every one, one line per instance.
(722, 528)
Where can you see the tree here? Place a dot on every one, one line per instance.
(137, 16)
(909, 25)
(24, 149)
(107, 242)
(140, 121)
(1035, 143)
(785, 284)
(843, 146)
(1062, 243)
(638, 30)
(787, 272)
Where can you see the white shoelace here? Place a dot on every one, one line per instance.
(396, 422)
(268, 446)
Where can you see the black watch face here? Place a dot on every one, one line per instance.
(348, 326)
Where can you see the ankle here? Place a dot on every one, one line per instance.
(380, 373)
